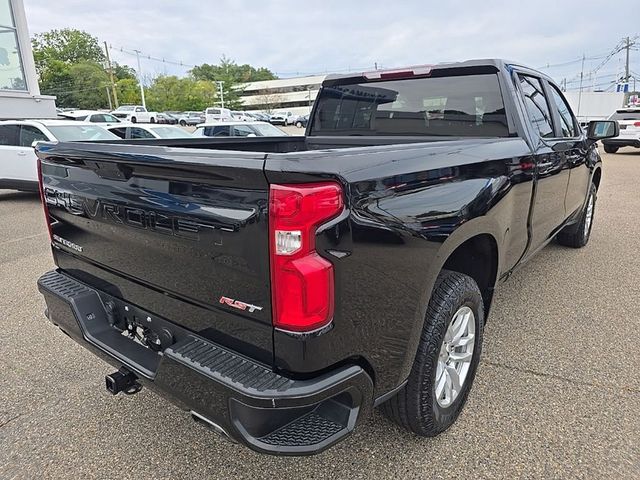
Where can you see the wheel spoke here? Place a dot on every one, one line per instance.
(454, 378)
(461, 326)
(464, 341)
(460, 356)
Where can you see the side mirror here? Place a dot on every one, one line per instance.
(599, 129)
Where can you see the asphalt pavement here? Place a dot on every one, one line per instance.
(557, 394)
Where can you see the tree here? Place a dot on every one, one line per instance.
(123, 71)
(179, 94)
(233, 76)
(68, 45)
(128, 91)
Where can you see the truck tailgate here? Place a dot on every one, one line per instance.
(179, 232)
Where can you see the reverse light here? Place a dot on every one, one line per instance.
(302, 282)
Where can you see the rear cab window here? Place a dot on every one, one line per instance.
(459, 106)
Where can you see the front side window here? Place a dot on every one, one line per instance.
(11, 70)
(98, 118)
(536, 105)
(218, 131)
(30, 134)
(567, 123)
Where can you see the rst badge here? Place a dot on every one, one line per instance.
(239, 305)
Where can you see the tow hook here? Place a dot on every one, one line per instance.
(122, 381)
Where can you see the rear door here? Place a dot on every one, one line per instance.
(574, 148)
(173, 231)
(17, 158)
(552, 172)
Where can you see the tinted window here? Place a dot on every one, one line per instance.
(442, 106)
(536, 105)
(30, 134)
(243, 131)
(135, 132)
(218, 131)
(97, 118)
(567, 123)
(72, 133)
(121, 131)
(9, 135)
(625, 115)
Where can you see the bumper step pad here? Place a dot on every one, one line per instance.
(244, 399)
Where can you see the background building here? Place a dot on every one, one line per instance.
(19, 92)
(295, 95)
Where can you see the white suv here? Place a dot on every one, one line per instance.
(19, 166)
(629, 121)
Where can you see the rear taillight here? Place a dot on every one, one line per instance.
(43, 200)
(302, 288)
(636, 124)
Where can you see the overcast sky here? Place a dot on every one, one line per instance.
(306, 37)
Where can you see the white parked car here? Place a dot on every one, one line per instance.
(135, 114)
(242, 116)
(283, 118)
(629, 121)
(237, 129)
(217, 114)
(148, 131)
(93, 116)
(18, 161)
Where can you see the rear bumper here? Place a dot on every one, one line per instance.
(236, 396)
(622, 142)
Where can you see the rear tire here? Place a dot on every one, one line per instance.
(610, 148)
(299, 124)
(418, 407)
(134, 119)
(577, 235)
(183, 123)
(153, 120)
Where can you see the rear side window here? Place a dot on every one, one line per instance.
(243, 131)
(536, 105)
(30, 134)
(218, 131)
(469, 105)
(121, 132)
(567, 123)
(136, 132)
(9, 135)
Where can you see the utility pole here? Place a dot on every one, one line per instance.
(113, 83)
(580, 93)
(109, 97)
(220, 84)
(144, 104)
(627, 47)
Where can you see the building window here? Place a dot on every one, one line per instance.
(11, 71)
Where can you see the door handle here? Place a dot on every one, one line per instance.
(22, 154)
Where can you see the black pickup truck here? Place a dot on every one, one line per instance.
(280, 288)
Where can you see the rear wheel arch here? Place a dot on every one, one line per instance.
(478, 258)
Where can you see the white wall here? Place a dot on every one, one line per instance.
(25, 104)
(594, 105)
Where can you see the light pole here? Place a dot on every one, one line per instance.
(140, 78)
(220, 85)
